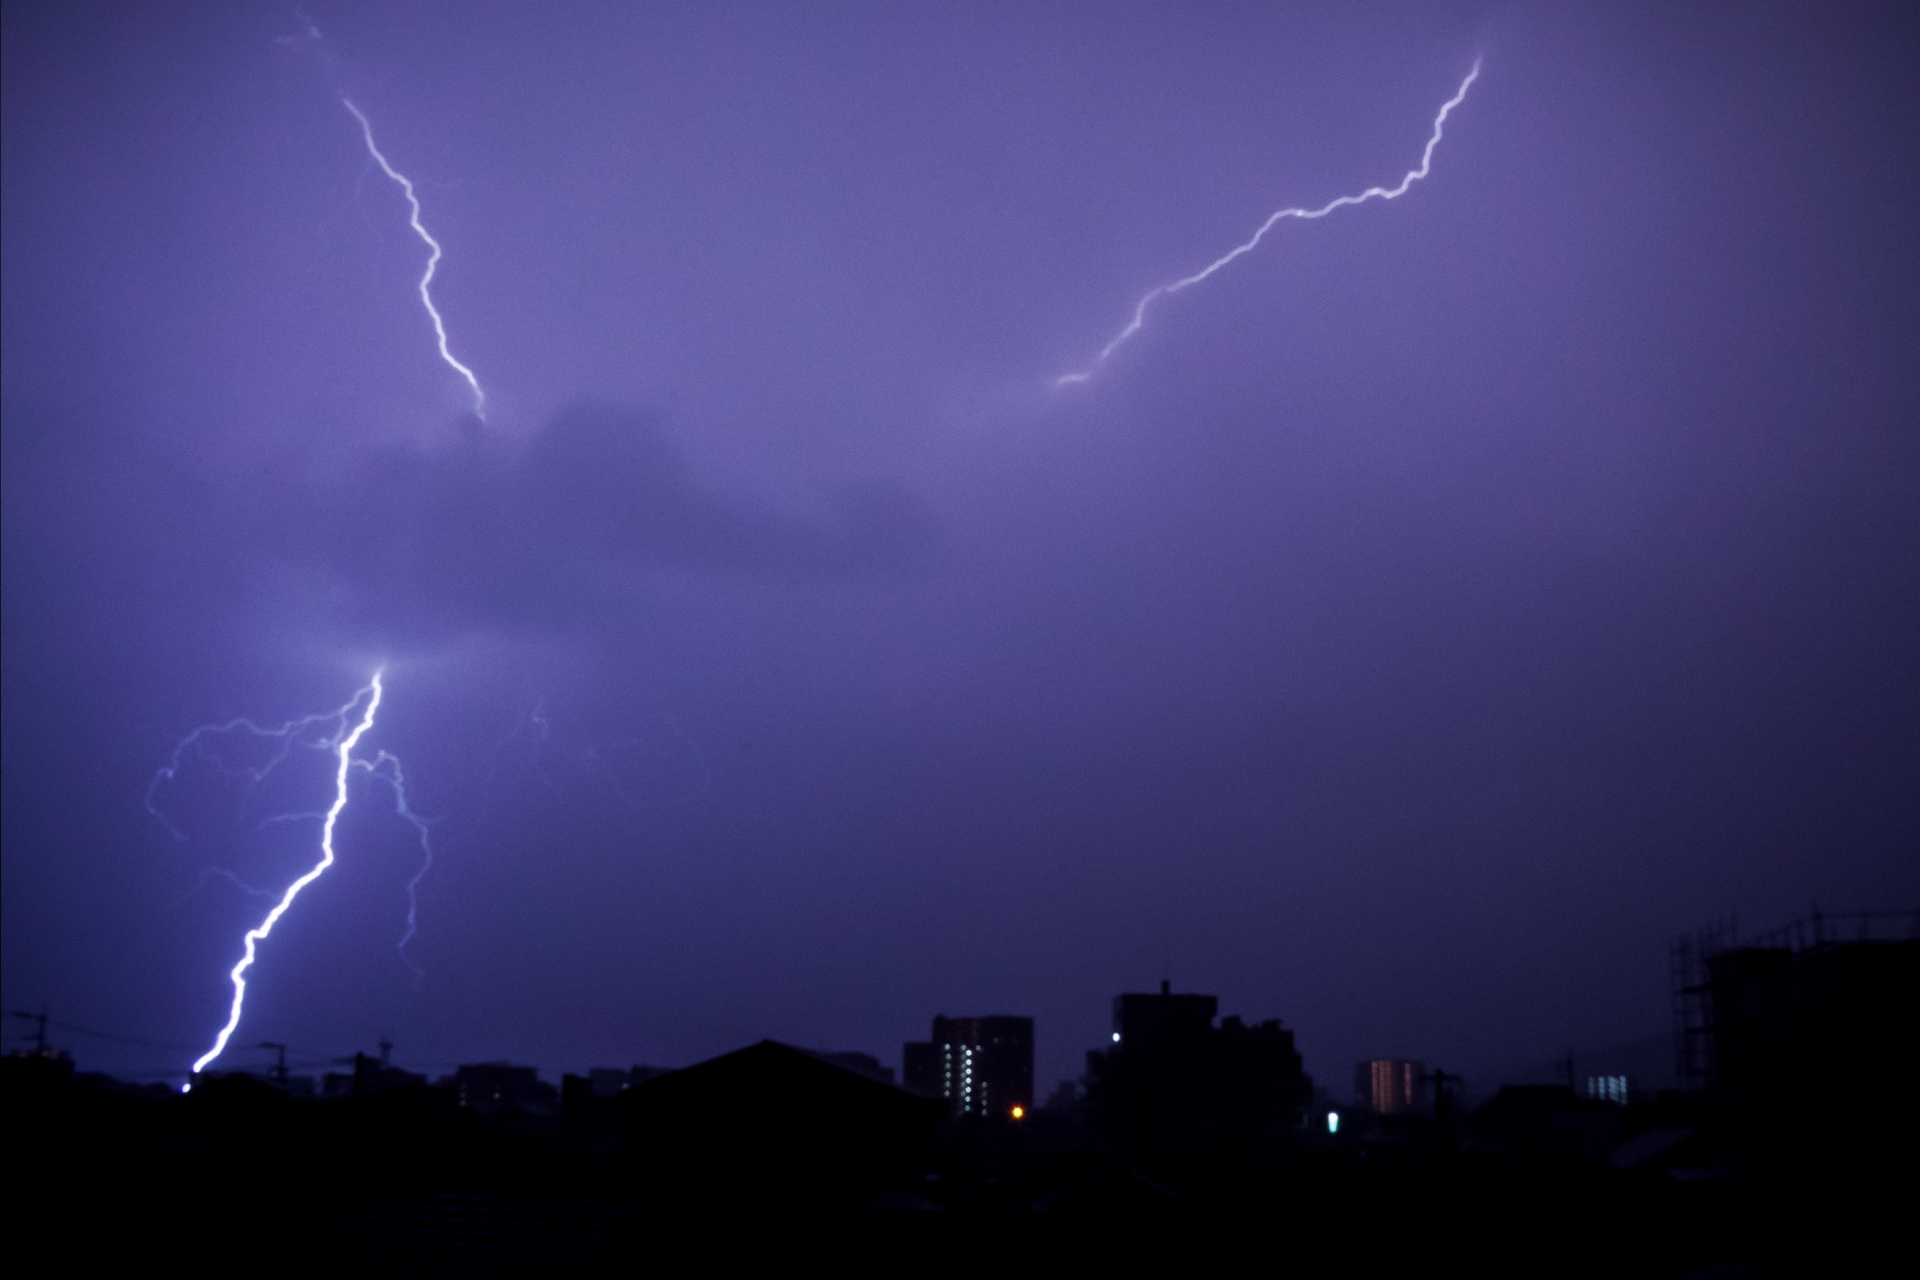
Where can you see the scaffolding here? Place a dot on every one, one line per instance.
(1698, 961)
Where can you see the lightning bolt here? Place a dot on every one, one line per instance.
(343, 745)
(632, 767)
(386, 767)
(287, 735)
(433, 259)
(542, 727)
(209, 873)
(1371, 193)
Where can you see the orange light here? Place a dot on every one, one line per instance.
(1019, 1112)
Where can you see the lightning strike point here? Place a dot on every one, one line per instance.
(1371, 193)
(433, 260)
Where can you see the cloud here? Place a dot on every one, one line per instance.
(560, 531)
(116, 534)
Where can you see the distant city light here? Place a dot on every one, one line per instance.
(1019, 1112)
(1612, 1089)
(1333, 1122)
(1116, 1037)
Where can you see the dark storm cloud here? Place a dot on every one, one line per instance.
(558, 533)
(414, 544)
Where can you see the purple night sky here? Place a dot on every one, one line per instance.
(1405, 635)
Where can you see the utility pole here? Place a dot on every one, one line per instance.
(280, 1064)
(1442, 1112)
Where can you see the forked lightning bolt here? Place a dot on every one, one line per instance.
(342, 744)
(287, 735)
(1371, 193)
(433, 259)
(386, 767)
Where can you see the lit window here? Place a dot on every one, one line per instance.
(1612, 1089)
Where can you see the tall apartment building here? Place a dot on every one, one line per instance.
(979, 1066)
(1170, 1078)
(1389, 1086)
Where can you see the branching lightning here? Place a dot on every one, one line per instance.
(341, 743)
(662, 770)
(209, 873)
(433, 259)
(341, 731)
(652, 773)
(287, 736)
(386, 767)
(1371, 193)
(542, 729)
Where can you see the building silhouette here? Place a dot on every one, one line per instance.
(1540, 1123)
(1170, 1079)
(978, 1066)
(492, 1087)
(864, 1064)
(771, 1125)
(369, 1075)
(773, 1158)
(1794, 1035)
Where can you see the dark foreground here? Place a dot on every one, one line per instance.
(406, 1182)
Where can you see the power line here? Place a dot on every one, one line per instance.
(101, 1035)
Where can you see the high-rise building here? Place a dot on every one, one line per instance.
(1172, 1079)
(979, 1066)
(920, 1069)
(1389, 1086)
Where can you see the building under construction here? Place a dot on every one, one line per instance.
(1804, 1037)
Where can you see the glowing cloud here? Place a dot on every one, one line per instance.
(1371, 193)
